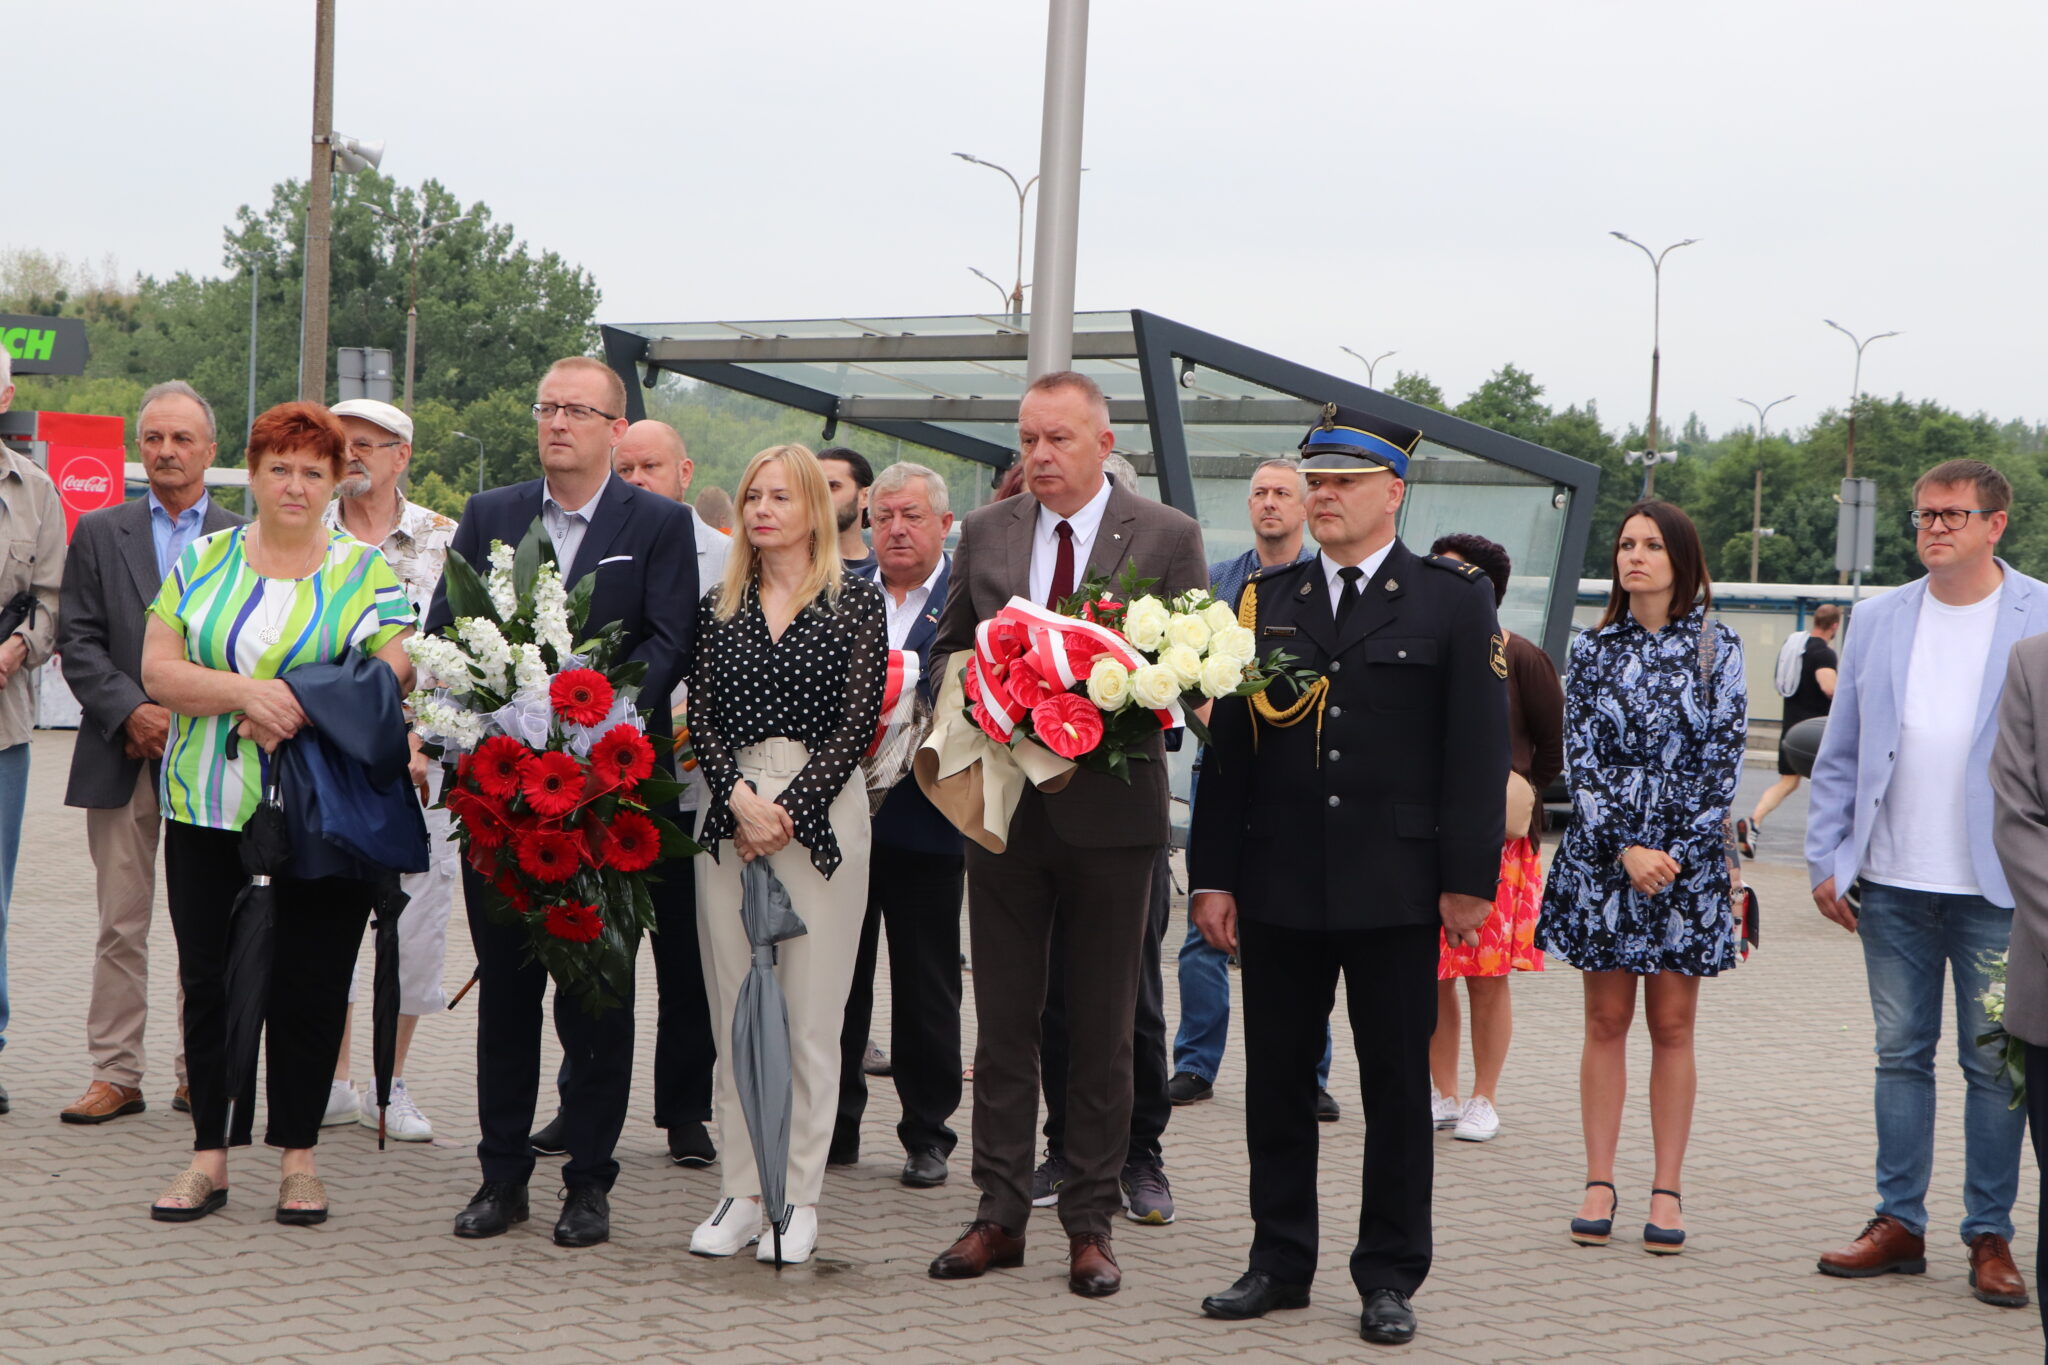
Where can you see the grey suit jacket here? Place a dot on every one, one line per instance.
(992, 564)
(2019, 829)
(110, 579)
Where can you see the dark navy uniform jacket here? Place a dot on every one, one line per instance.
(1402, 794)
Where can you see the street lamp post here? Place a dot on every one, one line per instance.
(255, 284)
(465, 436)
(1656, 259)
(1756, 508)
(416, 234)
(1370, 365)
(1016, 294)
(1855, 389)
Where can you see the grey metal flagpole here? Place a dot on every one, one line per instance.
(1059, 189)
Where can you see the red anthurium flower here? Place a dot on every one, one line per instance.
(632, 842)
(576, 923)
(498, 766)
(1067, 724)
(553, 783)
(550, 855)
(1029, 686)
(621, 757)
(581, 696)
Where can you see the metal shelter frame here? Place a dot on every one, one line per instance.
(1168, 356)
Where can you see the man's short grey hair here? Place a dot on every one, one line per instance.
(1122, 471)
(1276, 462)
(897, 477)
(174, 388)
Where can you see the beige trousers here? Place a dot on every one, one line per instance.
(815, 969)
(123, 842)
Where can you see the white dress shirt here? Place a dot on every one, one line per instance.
(1045, 542)
(1370, 566)
(903, 616)
(566, 527)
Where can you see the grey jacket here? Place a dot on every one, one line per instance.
(110, 579)
(2019, 828)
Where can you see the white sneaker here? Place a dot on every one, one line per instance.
(342, 1105)
(1443, 1109)
(1478, 1123)
(799, 1238)
(732, 1227)
(403, 1121)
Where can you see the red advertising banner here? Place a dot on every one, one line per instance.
(87, 478)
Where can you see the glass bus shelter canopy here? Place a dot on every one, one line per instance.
(1193, 412)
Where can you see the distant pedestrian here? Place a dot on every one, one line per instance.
(713, 506)
(1507, 941)
(1641, 888)
(1900, 851)
(1812, 678)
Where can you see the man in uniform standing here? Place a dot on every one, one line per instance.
(1374, 801)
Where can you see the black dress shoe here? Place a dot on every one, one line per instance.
(493, 1209)
(1326, 1107)
(1187, 1088)
(4, 1106)
(552, 1140)
(1387, 1319)
(690, 1144)
(924, 1169)
(586, 1219)
(1253, 1296)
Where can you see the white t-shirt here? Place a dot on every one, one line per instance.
(1922, 838)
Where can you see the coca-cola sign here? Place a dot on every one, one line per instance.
(87, 478)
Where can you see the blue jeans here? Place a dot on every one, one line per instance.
(1909, 937)
(13, 799)
(1205, 1011)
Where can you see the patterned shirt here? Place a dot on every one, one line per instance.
(416, 549)
(1227, 577)
(234, 620)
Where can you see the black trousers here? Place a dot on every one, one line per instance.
(684, 1045)
(319, 927)
(917, 897)
(1150, 1107)
(598, 1052)
(1289, 979)
(2037, 1125)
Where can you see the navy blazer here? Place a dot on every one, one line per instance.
(643, 549)
(907, 820)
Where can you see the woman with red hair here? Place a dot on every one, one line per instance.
(241, 608)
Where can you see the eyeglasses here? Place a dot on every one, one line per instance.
(1952, 518)
(578, 412)
(364, 447)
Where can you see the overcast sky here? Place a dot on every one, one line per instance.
(1436, 179)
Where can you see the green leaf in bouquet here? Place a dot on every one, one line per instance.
(579, 606)
(467, 595)
(1196, 726)
(1130, 586)
(658, 790)
(534, 546)
(631, 673)
(675, 843)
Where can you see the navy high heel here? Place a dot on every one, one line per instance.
(1664, 1241)
(1594, 1232)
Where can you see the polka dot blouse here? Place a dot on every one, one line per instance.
(820, 684)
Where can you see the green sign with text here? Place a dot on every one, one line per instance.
(44, 345)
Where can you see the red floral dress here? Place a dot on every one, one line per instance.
(1507, 941)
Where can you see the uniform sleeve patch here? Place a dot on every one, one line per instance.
(1497, 654)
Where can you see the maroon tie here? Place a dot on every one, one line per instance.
(1062, 568)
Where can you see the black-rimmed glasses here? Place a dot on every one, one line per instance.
(578, 412)
(1951, 518)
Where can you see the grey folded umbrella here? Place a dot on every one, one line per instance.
(760, 1058)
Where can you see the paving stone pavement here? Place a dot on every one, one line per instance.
(1779, 1170)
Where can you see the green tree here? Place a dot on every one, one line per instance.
(1417, 389)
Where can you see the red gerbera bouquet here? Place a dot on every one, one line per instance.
(553, 774)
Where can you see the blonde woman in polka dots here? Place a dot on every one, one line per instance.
(791, 658)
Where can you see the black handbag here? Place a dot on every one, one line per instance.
(20, 610)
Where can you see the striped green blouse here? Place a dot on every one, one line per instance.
(232, 618)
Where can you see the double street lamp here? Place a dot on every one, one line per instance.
(1649, 457)
(1855, 389)
(416, 234)
(1370, 365)
(1756, 509)
(1015, 297)
(465, 436)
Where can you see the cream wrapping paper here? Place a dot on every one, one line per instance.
(975, 782)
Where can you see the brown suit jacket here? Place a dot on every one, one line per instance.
(992, 564)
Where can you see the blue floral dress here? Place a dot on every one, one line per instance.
(1652, 748)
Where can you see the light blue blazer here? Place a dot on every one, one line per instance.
(1853, 770)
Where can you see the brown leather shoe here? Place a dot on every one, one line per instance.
(984, 1247)
(181, 1099)
(1993, 1275)
(1092, 1268)
(1883, 1247)
(104, 1100)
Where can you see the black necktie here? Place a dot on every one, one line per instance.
(1348, 598)
(1062, 568)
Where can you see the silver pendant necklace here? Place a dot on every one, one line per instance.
(271, 628)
